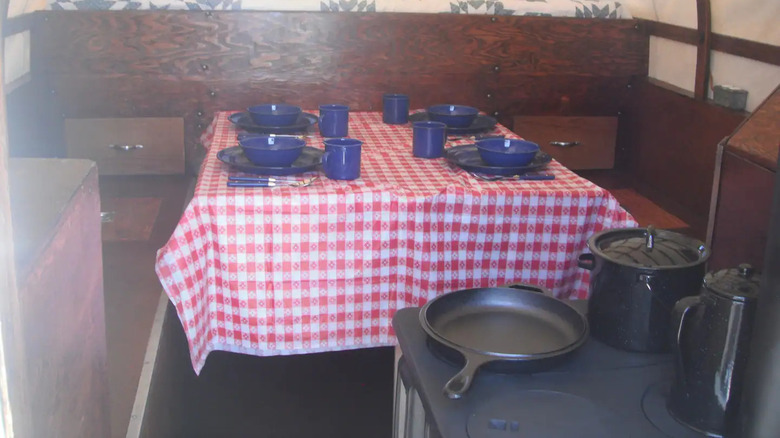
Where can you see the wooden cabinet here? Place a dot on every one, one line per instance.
(55, 206)
(128, 146)
(741, 220)
(742, 191)
(577, 142)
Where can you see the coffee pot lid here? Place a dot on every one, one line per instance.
(740, 283)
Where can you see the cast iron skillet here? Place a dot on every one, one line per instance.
(521, 328)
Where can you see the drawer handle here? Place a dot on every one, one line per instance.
(126, 147)
(565, 144)
(107, 216)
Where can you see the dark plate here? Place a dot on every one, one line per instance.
(467, 157)
(482, 123)
(310, 158)
(244, 121)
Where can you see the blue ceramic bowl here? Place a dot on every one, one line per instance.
(506, 152)
(272, 151)
(454, 116)
(274, 114)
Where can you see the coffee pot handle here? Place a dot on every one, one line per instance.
(680, 312)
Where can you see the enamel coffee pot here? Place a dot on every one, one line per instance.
(711, 348)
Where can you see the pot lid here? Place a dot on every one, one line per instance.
(649, 248)
(740, 283)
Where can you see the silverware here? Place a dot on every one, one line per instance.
(246, 135)
(261, 179)
(474, 137)
(268, 182)
(523, 177)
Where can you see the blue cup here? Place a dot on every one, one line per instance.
(334, 120)
(395, 109)
(428, 139)
(341, 159)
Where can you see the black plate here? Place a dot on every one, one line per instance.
(482, 123)
(467, 157)
(244, 121)
(310, 158)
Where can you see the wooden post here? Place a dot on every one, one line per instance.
(704, 45)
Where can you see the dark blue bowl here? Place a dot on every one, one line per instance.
(454, 116)
(274, 114)
(506, 152)
(272, 151)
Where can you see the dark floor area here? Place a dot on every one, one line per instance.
(340, 394)
(336, 394)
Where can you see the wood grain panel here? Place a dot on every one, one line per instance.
(198, 101)
(758, 139)
(595, 138)
(743, 212)
(156, 144)
(192, 64)
(61, 301)
(325, 48)
(671, 140)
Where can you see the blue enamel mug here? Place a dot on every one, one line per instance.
(334, 120)
(341, 159)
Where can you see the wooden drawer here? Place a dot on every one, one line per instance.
(128, 146)
(592, 139)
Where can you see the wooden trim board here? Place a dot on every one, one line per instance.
(147, 371)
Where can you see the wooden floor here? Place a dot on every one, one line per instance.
(647, 206)
(145, 212)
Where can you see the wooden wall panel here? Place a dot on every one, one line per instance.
(668, 142)
(743, 212)
(191, 64)
(61, 301)
(326, 48)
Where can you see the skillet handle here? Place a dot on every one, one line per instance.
(530, 288)
(461, 382)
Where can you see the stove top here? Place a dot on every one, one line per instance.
(602, 392)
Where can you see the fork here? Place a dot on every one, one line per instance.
(524, 177)
(268, 182)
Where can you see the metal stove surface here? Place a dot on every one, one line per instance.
(602, 392)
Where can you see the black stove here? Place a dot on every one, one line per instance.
(602, 392)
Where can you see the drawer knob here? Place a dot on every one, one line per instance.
(564, 144)
(126, 147)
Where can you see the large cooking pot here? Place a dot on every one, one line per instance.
(518, 328)
(638, 274)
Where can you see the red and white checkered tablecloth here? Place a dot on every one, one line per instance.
(270, 271)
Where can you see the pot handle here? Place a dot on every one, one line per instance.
(461, 382)
(680, 312)
(586, 261)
